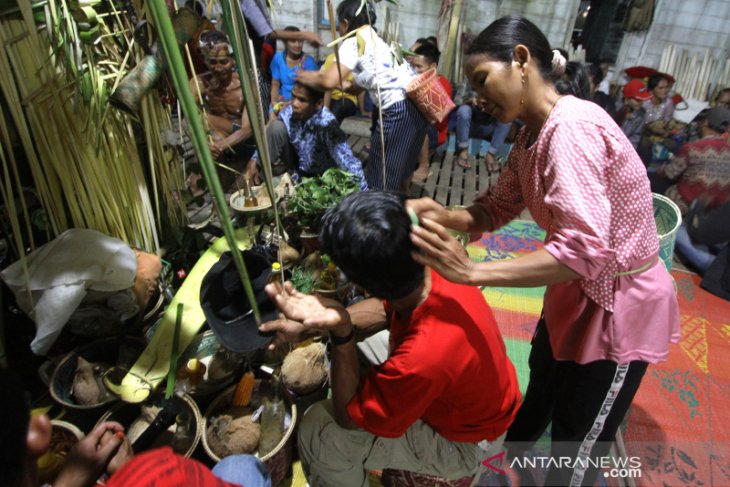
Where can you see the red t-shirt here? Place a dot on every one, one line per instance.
(448, 367)
(163, 468)
(443, 126)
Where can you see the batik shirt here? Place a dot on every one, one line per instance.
(320, 144)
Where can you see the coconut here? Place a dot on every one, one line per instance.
(304, 370)
(233, 434)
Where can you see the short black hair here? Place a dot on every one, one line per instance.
(348, 10)
(430, 52)
(433, 40)
(14, 420)
(314, 94)
(367, 236)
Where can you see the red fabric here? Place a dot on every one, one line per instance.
(443, 126)
(163, 468)
(448, 367)
(704, 167)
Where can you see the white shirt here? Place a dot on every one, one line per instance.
(376, 66)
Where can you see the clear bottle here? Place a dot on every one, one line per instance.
(272, 419)
(249, 199)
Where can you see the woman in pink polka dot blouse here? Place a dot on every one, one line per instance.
(610, 308)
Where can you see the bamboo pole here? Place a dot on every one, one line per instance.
(179, 77)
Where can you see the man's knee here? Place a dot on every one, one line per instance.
(314, 421)
(276, 130)
(464, 112)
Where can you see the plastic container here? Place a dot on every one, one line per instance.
(668, 219)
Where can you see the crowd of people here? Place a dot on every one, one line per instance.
(579, 165)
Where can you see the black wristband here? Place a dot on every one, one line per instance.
(342, 340)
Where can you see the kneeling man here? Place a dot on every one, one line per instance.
(443, 398)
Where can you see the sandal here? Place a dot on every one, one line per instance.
(492, 164)
(463, 160)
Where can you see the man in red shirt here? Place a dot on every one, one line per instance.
(444, 397)
(428, 57)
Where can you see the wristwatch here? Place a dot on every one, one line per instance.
(342, 340)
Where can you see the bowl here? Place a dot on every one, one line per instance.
(104, 353)
(63, 437)
(261, 194)
(130, 416)
(278, 461)
(221, 365)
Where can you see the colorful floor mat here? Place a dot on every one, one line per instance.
(679, 422)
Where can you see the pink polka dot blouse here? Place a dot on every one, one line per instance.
(583, 182)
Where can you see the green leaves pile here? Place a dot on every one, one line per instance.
(315, 195)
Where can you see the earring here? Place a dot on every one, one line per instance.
(524, 81)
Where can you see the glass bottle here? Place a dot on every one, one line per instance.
(330, 276)
(272, 419)
(183, 437)
(249, 200)
(275, 273)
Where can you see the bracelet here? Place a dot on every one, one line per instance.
(342, 340)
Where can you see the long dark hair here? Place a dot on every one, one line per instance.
(574, 81)
(348, 10)
(499, 39)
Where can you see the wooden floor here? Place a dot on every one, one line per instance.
(448, 183)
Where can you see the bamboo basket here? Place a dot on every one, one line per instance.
(279, 460)
(430, 96)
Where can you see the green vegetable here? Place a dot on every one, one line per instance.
(303, 279)
(315, 195)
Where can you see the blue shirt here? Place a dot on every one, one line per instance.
(281, 72)
(320, 144)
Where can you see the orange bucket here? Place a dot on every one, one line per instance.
(429, 95)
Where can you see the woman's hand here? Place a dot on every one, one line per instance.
(428, 208)
(309, 78)
(441, 252)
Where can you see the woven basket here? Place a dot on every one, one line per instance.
(429, 95)
(668, 219)
(126, 413)
(279, 460)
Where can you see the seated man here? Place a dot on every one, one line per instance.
(219, 91)
(473, 122)
(700, 173)
(444, 397)
(26, 438)
(428, 57)
(307, 140)
(701, 168)
(632, 115)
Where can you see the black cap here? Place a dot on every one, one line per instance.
(226, 307)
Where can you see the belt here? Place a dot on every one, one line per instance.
(648, 265)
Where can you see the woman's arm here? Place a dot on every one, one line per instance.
(275, 91)
(324, 80)
(446, 256)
